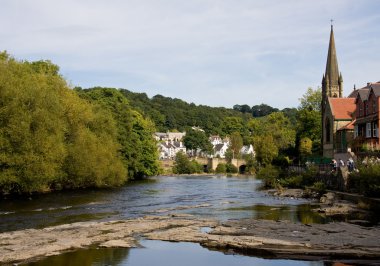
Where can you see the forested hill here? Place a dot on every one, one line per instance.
(175, 114)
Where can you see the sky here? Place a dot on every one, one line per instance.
(210, 52)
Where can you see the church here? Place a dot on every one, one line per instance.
(348, 123)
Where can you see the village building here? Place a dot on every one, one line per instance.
(366, 125)
(337, 112)
(352, 123)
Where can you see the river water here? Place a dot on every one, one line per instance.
(217, 197)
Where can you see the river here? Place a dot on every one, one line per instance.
(217, 197)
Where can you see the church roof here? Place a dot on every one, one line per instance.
(332, 70)
(342, 108)
(349, 126)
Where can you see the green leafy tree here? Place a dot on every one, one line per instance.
(134, 132)
(266, 149)
(196, 139)
(236, 143)
(309, 122)
(49, 137)
(305, 147)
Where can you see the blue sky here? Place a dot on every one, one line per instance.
(212, 52)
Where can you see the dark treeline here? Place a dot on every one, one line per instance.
(50, 138)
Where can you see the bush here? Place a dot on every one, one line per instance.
(367, 180)
(231, 169)
(269, 174)
(221, 168)
(292, 182)
(319, 187)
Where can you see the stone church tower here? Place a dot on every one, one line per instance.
(332, 87)
(332, 81)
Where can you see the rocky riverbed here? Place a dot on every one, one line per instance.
(280, 239)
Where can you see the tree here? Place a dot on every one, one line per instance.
(305, 147)
(236, 143)
(311, 100)
(266, 149)
(134, 132)
(262, 110)
(309, 122)
(196, 139)
(232, 124)
(49, 137)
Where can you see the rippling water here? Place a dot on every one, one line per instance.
(221, 197)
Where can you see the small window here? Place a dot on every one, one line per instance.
(375, 130)
(368, 131)
(356, 132)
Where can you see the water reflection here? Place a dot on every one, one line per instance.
(86, 257)
(296, 213)
(161, 253)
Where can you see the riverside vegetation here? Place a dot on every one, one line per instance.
(52, 137)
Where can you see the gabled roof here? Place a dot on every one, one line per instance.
(218, 147)
(342, 108)
(375, 87)
(349, 126)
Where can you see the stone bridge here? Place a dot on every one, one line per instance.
(212, 163)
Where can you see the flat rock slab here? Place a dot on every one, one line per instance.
(284, 239)
(23, 245)
(263, 238)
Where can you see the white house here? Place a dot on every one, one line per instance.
(220, 150)
(215, 139)
(247, 149)
(169, 149)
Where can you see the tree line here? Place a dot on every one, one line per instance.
(52, 137)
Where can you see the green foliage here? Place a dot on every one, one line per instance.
(49, 137)
(231, 169)
(305, 147)
(183, 165)
(309, 122)
(262, 110)
(232, 124)
(196, 139)
(134, 132)
(367, 180)
(266, 149)
(168, 113)
(271, 134)
(221, 168)
(311, 100)
(319, 187)
(292, 181)
(269, 174)
(236, 143)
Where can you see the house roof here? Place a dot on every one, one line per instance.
(349, 126)
(342, 108)
(218, 147)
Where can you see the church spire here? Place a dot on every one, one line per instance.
(332, 69)
(332, 75)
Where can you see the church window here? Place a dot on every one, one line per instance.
(328, 129)
(335, 95)
(368, 131)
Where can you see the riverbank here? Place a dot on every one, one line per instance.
(281, 239)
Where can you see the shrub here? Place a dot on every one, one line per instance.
(367, 180)
(269, 174)
(221, 168)
(232, 169)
